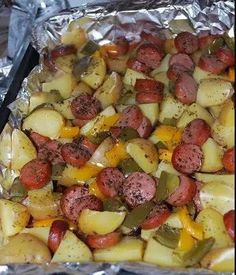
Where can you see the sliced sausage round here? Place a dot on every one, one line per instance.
(56, 234)
(138, 66)
(184, 193)
(229, 160)
(157, 216)
(131, 117)
(150, 55)
(51, 151)
(148, 85)
(182, 60)
(175, 71)
(206, 40)
(80, 122)
(196, 132)
(103, 241)
(186, 42)
(86, 144)
(85, 107)
(153, 39)
(74, 155)
(226, 56)
(75, 199)
(109, 181)
(212, 64)
(145, 128)
(35, 174)
(187, 158)
(196, 199)
(186, 89)
(138, 188)
(62, 50)
(229, 221)
(38, 140)
(149, 97)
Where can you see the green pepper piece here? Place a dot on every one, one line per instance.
(170, 121)
(229, 41)
(138, 215)
(112, 205)
(17, 189)
(160, 145)
(167, 185)
(195, 255)
(80, 66)
(90, 48)
(215, 45)
(99, 137)
(129, 166)
(57, 170)
(128, 133)
(167, 236)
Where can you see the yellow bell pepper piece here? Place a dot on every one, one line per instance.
(193, 228)
(231, 74)
(116, 154)
(165, 154)
(46, 222)
(186, 241)
(69, 132)
(94, 190)
(83, 173)
(169, 135)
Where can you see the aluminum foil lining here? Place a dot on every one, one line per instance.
(108, 20)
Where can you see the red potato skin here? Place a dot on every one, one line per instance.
(35, 174)
(229, 160)
(184, 193)
(56, 234)
(103, 241)
(157, 217)
(229, 222)
(109, 181)
(196, 132)
(187, 158)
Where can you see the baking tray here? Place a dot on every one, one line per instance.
(27, 63)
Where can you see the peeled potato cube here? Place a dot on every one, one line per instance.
(6, 146)
(213, 92)
(64, 84)
(200, 74)
(227, 179)
(144, 153)
(41, 233)
(104, 222)
(127, 249)
(25, 248)
(109, 93)
(72, 249)
(212, 156)
(226, 116)
(225, 136)
(22, 150)
(44, 121)
(14, 217)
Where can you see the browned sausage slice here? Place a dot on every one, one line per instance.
(75, 199)
(196, 132)
(74, 155)
(186, 42)
(138, 188)
(35, 174)
(51, 151)
(145, 128)
(212, 64)
(153, 39)
(175, 71)
(103, 241)
(226, 56)
(196, 199)
(148, 85)
(131, 117)
(182, 60)
(138, 66)
(109, 181)
(38, 140)
(56, 233)
(85, 107)
(149, 97)
(86, 144)
(184, 193)
(80, 122)
(62, 50)
(186, 89)
(187, 158)
(150, 55)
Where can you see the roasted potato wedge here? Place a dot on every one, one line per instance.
(225, 136)
(6, 146)
(227, 179)
(226, 116)
(150, 110)
(41, 233)
(131, 76)
(63, 107)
